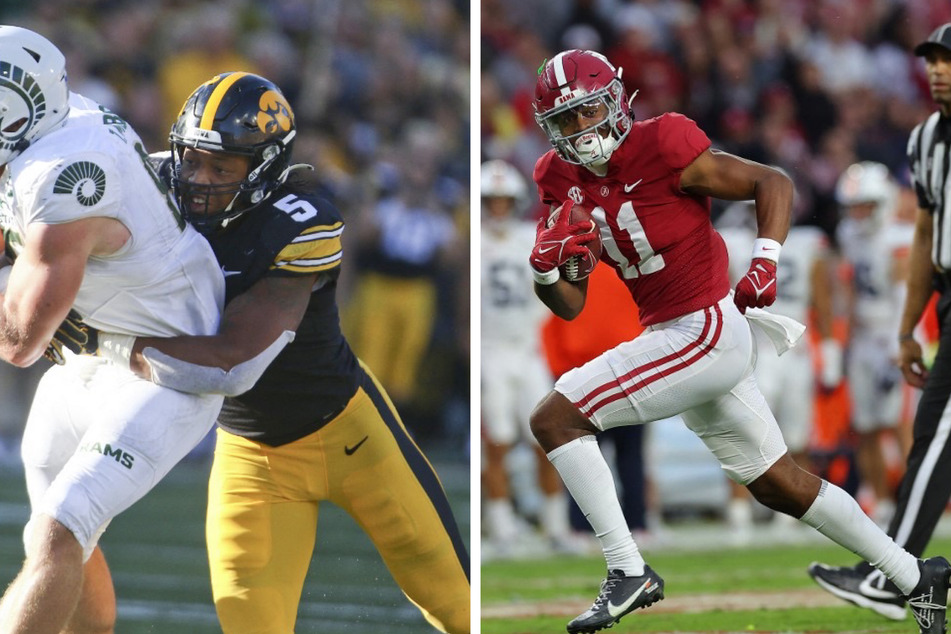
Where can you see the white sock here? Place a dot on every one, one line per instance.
(554, 515)
(501, 520)
(739, 514)
(591, 484)
(839, 517)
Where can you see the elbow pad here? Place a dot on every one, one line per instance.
(202, 379)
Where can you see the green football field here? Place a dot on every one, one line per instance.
(157, 554)
(710, 587)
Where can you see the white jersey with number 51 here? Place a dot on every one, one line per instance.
(165, 280)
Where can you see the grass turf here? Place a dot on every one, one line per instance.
(156, 552)
(550, 589)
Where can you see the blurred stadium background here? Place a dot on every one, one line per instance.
(811, 87)
(381, 93)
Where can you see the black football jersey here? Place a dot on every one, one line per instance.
(316, 375)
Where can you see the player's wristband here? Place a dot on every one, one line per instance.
(547, 278)
(766, 248)
(116, 348)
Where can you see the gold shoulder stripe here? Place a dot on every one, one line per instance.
(311, 249)
(214, 100)
(331, 227)
(320, 233)
(309, 265)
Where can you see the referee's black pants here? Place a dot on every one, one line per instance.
(926, 486)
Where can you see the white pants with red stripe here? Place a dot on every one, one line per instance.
(699, 366)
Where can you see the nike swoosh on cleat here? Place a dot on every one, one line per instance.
(869, 590)
(618, 610)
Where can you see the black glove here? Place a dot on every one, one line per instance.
(75, 335)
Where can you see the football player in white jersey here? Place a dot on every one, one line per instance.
(876, 247)
(88, 226)
(515, 376)
(803, 286)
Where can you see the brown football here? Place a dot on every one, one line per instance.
(579, 267)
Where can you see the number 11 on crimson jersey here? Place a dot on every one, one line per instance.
(647, 260)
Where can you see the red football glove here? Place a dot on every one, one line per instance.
(555, 244)
(758, 286)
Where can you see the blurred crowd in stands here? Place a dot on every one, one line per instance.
(381, 90)
(809, 86)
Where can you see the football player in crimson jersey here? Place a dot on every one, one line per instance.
(650, 183)
(304, 420)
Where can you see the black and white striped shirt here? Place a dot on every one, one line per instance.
(929, 153)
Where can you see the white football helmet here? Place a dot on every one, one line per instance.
(504, 194)
(33, 93)
(500, 179)
(868, 182)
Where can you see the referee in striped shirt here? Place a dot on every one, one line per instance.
(926, 486)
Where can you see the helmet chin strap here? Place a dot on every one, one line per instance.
(293, 168)
(630, 100)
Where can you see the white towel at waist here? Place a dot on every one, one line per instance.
(783, 331)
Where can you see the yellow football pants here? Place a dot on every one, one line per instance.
(263, 507)
(389, 324)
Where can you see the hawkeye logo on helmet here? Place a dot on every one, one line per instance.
(275, 113)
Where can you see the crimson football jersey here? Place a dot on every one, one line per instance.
(659, 240)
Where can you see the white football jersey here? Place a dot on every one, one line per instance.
(787, 382)
(165, 280)
(803, 247)
(511, 314)
(878, 297)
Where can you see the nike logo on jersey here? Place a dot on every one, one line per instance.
(629, 188)
(618, 610)
(350, 450)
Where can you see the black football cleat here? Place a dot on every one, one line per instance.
(929, 600)
(619, 595)
(862, 585)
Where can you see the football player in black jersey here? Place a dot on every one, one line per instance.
(305, 420)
